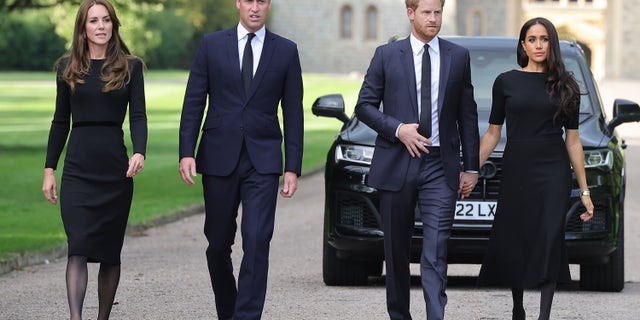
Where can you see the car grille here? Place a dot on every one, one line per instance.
(488, 185)
(596, 224)
(356, 211)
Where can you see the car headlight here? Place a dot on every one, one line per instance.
(354, 153)
(598, 158)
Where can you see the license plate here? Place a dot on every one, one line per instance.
(475, 210)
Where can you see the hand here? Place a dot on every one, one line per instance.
(188, 169)
(49, 186)
(136, 165)
(289, 185)
(586, 202)
(468, 181)
(409, 136)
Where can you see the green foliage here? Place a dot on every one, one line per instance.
(206, 16)
(25, 5)
(166, 34)
(174, 33)
(28, 41)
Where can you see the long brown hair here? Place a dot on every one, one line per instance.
(561, 85)
(77, 62)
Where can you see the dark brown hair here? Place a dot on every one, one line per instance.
(561, 85)
(115, 70)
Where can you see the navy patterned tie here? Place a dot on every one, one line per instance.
(424, 127)
(247, 63)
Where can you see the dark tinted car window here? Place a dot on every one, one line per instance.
(573, 66)
(486, 65)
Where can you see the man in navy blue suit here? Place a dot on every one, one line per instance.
(428, 116)
(245, 72)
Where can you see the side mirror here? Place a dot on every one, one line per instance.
(624, 111)
(331, 105)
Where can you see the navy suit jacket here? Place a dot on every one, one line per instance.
(234, 117)
(390, 79)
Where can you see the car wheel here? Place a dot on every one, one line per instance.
(374, 268)
(606, 277)
(341, 272)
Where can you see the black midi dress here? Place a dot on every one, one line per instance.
(95, 194)
(527, 247)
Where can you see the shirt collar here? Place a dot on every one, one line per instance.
(242, 32)
(417, 45)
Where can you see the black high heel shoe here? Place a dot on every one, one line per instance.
(519, 314)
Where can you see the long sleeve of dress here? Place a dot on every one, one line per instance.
(137, 108)
(61, 123)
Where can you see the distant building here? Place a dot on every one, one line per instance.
(340, 36)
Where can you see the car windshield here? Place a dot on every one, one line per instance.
(486, 65)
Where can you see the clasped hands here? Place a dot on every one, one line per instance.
(415, 142)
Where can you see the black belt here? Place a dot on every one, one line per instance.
(96, 124)
(431, 149)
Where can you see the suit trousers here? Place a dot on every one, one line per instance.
(427, 187)
(257, 193)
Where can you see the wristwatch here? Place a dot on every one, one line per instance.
(585, 193)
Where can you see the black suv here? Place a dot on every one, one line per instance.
(352, 237)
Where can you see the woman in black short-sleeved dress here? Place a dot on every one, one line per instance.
(540, 101)
(96, 82)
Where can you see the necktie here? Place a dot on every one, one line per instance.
(247, 63)
(424, 126)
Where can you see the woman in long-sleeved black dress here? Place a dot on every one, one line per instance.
(96, 82)
(540, 101)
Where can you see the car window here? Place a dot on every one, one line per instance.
(486, 65)
(573, 66)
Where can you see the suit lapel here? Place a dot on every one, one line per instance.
(406, 56)
(234, 59)
(445, 68)
(268, 48)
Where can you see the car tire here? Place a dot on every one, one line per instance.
(374, 268)
(607, 277)
(341, 272)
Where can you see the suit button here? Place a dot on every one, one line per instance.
(241, 128)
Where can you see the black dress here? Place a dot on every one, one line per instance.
(95, 194)
(527, 247)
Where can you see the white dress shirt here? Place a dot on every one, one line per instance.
(256, 45)
(417, 47)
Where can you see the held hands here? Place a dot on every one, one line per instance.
(468, 181)
(49, 186)
(586, 202)
(409, 136)
(136, 165)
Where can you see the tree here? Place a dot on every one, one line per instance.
(16, 5)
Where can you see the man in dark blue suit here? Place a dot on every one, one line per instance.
(245, 72)
(428, 116)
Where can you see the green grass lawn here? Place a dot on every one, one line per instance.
(29, 223)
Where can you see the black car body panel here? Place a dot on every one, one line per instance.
(353, 235)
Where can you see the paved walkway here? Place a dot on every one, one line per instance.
(165, 275)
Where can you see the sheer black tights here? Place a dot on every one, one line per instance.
(108, 279)
(76, 284)
(546, 299)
